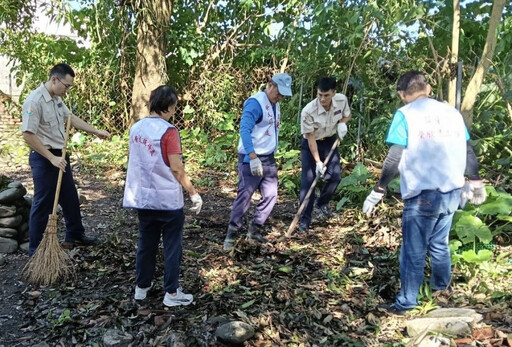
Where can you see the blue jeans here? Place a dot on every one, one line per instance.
(426, 223)
(152, 224)
(45, 177)
(331, 178)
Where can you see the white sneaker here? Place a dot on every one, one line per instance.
(141, 293)
(180, 299)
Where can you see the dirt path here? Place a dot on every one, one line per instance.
(319, 288)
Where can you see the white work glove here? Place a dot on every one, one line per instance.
(256, 167)
(371, 200)
(320, 169)
(197, 203)
(342, 130)
(474, 191)
(465, 192)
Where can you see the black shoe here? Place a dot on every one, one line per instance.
(303, 227)
(392, 309)
(325, 212)
(83, 241)
(231, 236)
(254, 234)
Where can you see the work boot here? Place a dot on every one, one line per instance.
(85, 241)
(303, 227)
(324, 211)
(254, 233)
(231, 236)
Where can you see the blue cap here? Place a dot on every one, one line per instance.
(284, 83)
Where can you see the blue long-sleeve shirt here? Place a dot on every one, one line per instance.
(251, 115)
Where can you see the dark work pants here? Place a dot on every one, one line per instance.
(331, 178)
(247, 185)
(152, 224)
(45, 177)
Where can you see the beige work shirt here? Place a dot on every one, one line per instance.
(45, 116)
(315, 119)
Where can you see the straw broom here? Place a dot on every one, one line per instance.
(50, 262)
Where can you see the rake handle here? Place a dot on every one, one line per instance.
(59, 179)
(310, 191)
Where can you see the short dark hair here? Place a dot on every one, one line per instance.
(325, 84)
(412, 82)
(61, 70)
(161, 98)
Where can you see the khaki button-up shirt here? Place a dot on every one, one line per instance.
(315, 119)
(45, 116)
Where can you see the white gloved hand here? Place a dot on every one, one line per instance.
(342, 130)
(478, 193)
(320, 169)
(371, 200)
(197, 203)
(465, 193)
(256, 167)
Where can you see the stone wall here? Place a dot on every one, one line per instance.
(14, 215)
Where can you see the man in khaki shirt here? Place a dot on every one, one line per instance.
(44, 115)
(323, 120)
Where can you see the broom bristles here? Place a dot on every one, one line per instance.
(49, 263)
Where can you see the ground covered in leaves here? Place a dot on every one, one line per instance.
(321, 288)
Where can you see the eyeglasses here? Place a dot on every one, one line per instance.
(65, 84)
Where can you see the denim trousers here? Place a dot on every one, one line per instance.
(426, 223)
(45, 176)
(248, 184)
(331, 179)
(152, 224)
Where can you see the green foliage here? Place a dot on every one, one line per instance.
(469, 229)
(99, 155)
(217, 153)
(353, 188)
(16, 15)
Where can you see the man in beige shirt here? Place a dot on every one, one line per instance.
(44, 114)
(323, 120)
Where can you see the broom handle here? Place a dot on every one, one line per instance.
(310, 191)
(59, 180)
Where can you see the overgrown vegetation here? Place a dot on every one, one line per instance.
(218, 55)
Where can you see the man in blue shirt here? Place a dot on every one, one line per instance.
(430, 149)
(259, 130)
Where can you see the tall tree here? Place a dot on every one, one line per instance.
(153, 23)
(473, 87)
(452, 86)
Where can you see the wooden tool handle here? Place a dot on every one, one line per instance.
(310, 191)
(59, 179)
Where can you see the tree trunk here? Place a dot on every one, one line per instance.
(476, 81)
(452, 86)
(153, 20)
(503, 91)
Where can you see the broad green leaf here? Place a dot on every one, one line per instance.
(468, 227)
(502, 205)
(454, 245)
(360, 170)
(472, 257)
(505, 218)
